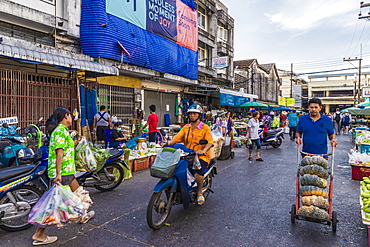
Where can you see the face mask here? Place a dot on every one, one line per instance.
(119, 129)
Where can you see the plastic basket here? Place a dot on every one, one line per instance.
(358, 172)
(364, 148)
(140, 164)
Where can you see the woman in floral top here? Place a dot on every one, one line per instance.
(61, 168)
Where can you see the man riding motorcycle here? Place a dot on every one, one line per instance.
(190, 135)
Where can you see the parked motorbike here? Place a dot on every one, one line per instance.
(17, 196)
(10, 144)
(272, 137)
(109, 176)
(176, 190)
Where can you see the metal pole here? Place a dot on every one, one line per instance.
(291, 80)
(359, 82)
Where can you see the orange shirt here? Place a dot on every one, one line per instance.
(192, 137)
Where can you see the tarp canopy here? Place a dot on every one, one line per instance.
(254, 105)
(364, 104)
(281, 108)
(357, 111)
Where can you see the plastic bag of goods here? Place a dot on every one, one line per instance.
(165, 163)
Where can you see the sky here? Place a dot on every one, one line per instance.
(314, 35)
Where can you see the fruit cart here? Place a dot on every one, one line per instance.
(311, 183)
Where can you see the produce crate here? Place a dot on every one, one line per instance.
(365, 148)
(140, 164)
(358, 172)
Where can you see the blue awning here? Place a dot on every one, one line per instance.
(65, 63)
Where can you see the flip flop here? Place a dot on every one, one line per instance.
(48, 240)
(200, 200)
(87, 217)
(250, 158)
(259, 159)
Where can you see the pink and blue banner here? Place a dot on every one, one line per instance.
(171, 19)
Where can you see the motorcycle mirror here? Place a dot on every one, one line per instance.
(40, 119)
(5, 125)
(203, 142)
(18, 128)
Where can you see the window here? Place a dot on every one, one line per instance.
(202, 17)
(222, 32)
(202, 54)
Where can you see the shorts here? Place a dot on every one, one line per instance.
(204, 166)
(100, 133)
(66, 180)
(152, 136)
(345, 124)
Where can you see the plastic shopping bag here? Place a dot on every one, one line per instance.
(84, 157)
(84, 197)
(56, 207)
(196, 163)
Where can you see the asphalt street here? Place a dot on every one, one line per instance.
(250, 207)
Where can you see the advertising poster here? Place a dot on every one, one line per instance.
(133, 11)
(187, 32)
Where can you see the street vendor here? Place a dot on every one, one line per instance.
(190, 135)
(315, 128)
(118, 139)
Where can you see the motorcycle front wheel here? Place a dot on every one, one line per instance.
(24, 193)
(159, 208)
(113, 173)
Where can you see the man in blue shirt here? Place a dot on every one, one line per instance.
(315, 129)
(293, 122)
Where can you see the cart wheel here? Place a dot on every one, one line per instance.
(232, 154)
(334, 219)
(292, 214)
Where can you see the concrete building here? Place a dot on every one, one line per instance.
(292, 86)
(259, 79)
(336, 90)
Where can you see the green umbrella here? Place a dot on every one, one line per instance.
(254, 105)
(357, 111)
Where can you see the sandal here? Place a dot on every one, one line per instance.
(48, 240)
(200, 200)
(87, 217)
(250, 158)
(259, 159)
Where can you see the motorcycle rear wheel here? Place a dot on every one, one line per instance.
(24, 193)
(157, 211)
(113, 169)
(277, 143)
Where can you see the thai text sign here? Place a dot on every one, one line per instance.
(220, 62)
(171, 19)
(366, 92)
(9, 120)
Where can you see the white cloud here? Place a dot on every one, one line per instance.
(305, 15)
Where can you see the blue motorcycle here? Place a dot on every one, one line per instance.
(272, 137)
(10, 144)
(177, 189)
(20, 189)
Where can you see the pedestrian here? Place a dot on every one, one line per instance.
(337, 124)
(229, 124)
(102, 121)
(253, 125)
(61, 163)
(346, 121)
(117, 137)
(153, 123)
(292, 124)
(283, 118)
(315, 129)
(275, 123)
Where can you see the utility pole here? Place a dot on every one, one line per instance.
(356, 94)
(291, 80)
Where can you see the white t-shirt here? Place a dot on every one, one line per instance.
(253, 125)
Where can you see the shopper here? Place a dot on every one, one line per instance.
(346, 121)
(102, 121)
(61, 163)
(153, 123)
(253, 125)
(292, 124)
(337, 124)
(315, 129)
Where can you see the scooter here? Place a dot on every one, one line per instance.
(272, 137)
(10, 144)
(178, 190)
(109, 176)
(17, 195)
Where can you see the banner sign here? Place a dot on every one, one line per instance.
(290, 102)
(366, 92)
(220, 62)
(232, 100)
(9, 120)
(171, 19)
(282, 101)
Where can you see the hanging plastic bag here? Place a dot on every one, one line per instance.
(84, 197)
(196, 163)
(56, 207)
(84, 157)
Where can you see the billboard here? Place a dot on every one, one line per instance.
(161, 35)
(171, 19)
(220, 62)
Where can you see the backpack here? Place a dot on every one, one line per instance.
(337, 117)
(346, 119)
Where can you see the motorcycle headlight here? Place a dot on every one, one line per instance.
(19, 139)
(25, 153)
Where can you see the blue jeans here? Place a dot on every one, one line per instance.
(258, 145)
